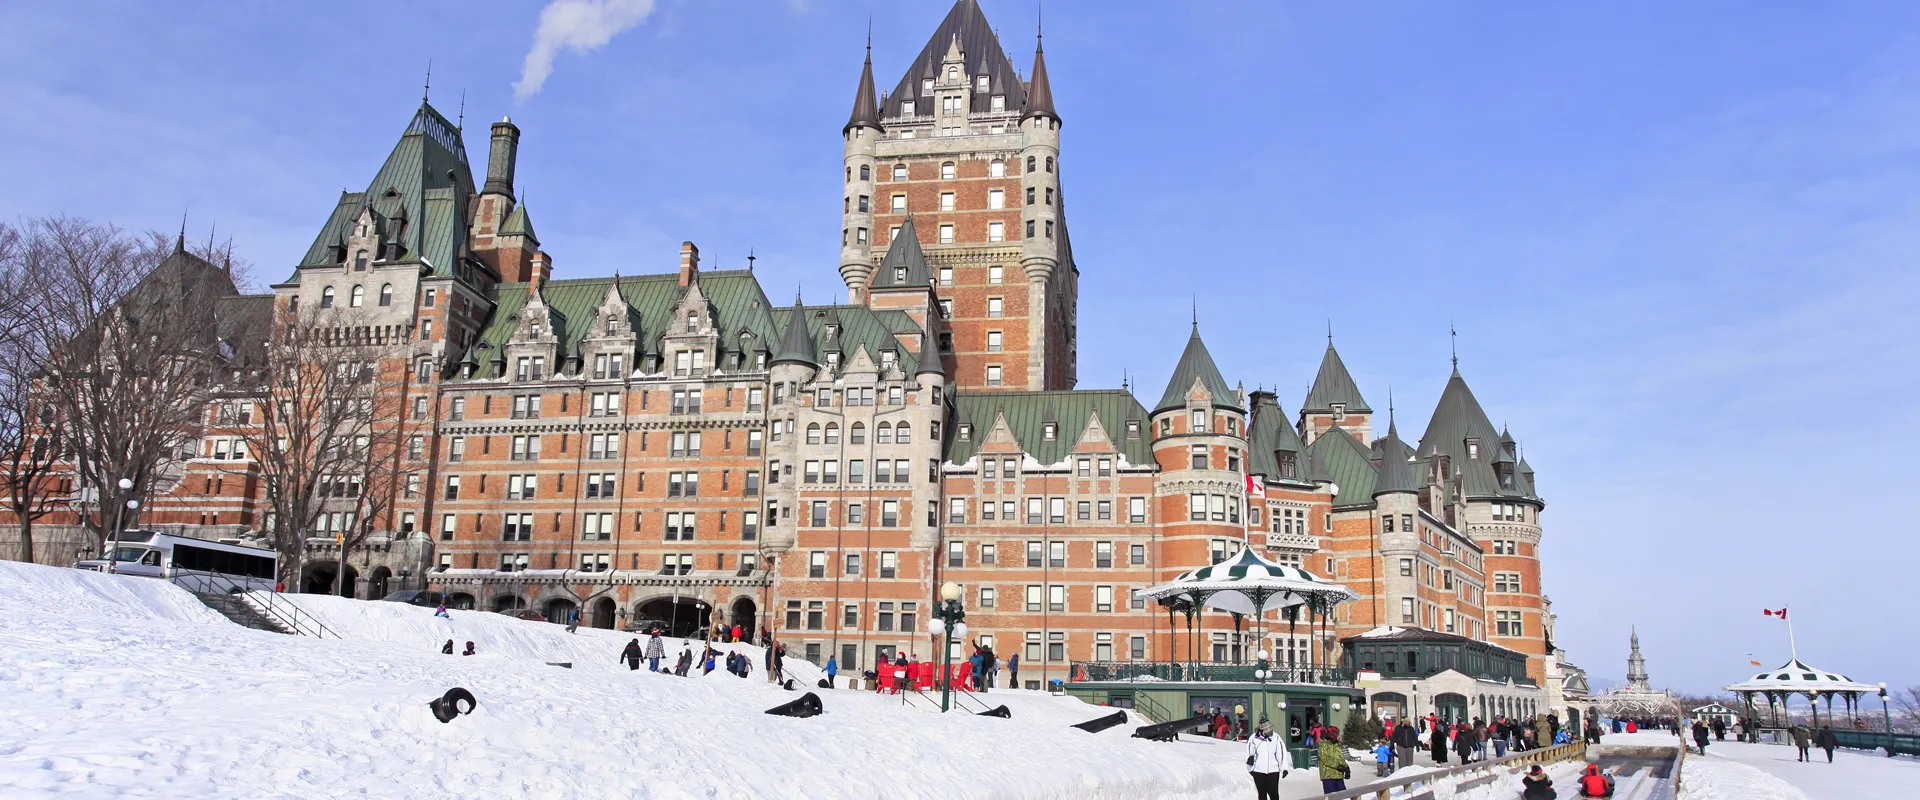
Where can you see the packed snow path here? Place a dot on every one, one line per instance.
(1738, 771)
(122, 687)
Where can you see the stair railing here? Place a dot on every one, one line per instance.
(265, 601)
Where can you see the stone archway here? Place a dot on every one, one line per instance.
(460, 600)
(507, 602)
(379, 582)
(318, 578)
(683, 617)
(744, 613)
(604, 610)
(1451, 707)
(559, 610)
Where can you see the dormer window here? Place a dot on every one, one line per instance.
(999, 102)
(1339, 412)
(1050, 431)
(693, 321)
(965, 433)
(906, 108)
(1287, 465)
(833, 332)
(360, 261)
(1199, 421)
(886, 359)
(1473, 448)
(899, 274)
(833, 361)
(980, 83)
(953, 74)
(926, 86)
(613, 325)
(1133, 429)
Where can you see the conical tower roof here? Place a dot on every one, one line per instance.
(984, 56)
(1269, 433)
(1333, 384)
(904, 265)
(1395, 474)
(1039, 92)
(929, 356)
(796, 343)
(1196, 363)
(1458, 419)
(866, 107)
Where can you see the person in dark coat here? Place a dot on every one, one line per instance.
(631, 655)
(470, 650)
(1801, 740)
(1405, 741)
(1825, 740)
(1719, 729)
(1463, 743)
(686, 660)
(1538, 785)
(1438, 744)
(1700, 735)
(448, 647)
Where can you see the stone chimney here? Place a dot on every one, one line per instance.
(689, 262)
(541, 268)
(501, 155)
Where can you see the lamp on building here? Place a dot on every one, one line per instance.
(948, 623)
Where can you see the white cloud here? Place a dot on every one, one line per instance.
(577, 25)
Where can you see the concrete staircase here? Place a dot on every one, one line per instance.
(236, 608)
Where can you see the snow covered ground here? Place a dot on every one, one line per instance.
(127, 687)
(1738, 771)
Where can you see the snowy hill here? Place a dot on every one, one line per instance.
(122, 686)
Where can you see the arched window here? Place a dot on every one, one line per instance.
(953, 74)
(902, 434)
(857, 433)
(833, 433)
(693, 321)
(613, 324)
(883, 434)
(996, 169)
(356, 297)
(866, 172)
(813, 433)
(899, 172)
(386, 294)
(1030, 163)
(360, 261)
(326, 297)
(946, 170)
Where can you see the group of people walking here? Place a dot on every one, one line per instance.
(710, 657)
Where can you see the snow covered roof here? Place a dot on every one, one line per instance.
(1795, 677)
(1246, 581)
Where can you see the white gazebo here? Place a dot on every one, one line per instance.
(1796, 678)
(1248, 584)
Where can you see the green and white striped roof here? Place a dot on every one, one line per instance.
(1795, 677)
(1248, 583)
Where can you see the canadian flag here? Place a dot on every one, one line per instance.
(1782, 613)
(1256, 487)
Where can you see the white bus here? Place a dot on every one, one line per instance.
(197, 565)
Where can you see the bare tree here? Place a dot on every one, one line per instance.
(130, 356)
(380, 466)
(1908, 702)
(319, 432)
(30, 444)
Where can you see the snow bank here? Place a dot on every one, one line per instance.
(122, 686)
(1711, 778)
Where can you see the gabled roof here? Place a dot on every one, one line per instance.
(425, 186)
(735, 296)
(983, 56)
(903, 253)
(1395, 474)
(1346, 462)
(518, 222)
(1332, 385)
(1196, 364)
(860, 328)
(1027, 412)
(866, 108)
(1269, 430)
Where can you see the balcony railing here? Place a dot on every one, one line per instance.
(1093, 671)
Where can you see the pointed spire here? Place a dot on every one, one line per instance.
(904, 253)
(180, 243)
(1039, 91)
(1395, 475)
(1195, 364)
(1453, 345)
(866, 110)
(929, 355)
(427, 88)
(1333, 384)
(796, 344)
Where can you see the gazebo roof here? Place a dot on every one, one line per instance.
(1247, 583)
(1795, 677)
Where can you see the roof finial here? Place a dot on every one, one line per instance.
(460, 122)
(869, 37)
(180, 244)
(1453, 339)
(1039, 24)
(428, 86)
(1389, 406)
(1329, 331)
(1196, 313)
(210, 230)
(750, 259)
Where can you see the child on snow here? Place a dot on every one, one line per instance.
(1382, 759)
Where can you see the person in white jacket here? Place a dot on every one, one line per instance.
(1267, 760)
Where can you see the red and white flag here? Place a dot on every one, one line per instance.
(1782, 613)
(1256, 487)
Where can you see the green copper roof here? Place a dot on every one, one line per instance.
(738, 307)
(1026, 414)
(1269, 430)
(796, 342)
(1332, 385)
(517, 222)
(1196, 363)
(905, 265)
(1395, 474)
(859, 329)
(1457, 420)
(1348, 463)
(421, 192)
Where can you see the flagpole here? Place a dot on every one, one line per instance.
(1791, 646)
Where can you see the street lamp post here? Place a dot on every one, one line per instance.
(949, 622)
(119, 518)
(1261, 673)
(404, 575)
(1887, 717)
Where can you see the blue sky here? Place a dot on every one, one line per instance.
(1677, 240)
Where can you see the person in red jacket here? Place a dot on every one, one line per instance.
(1595, 784)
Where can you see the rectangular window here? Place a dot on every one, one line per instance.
(996, 274)
(996, 307)
(1406, 610)
(1136, 509)
(956, 553)
(817, 564)
(1196, 507)
(1083, 510)
(1057, 554)
(996, 199)
(1035, 554)
(1103, 554)
(889, 513)
(889, 564)
(1033, 598)
(946, 203)
(986, 597)
(993, 341)
(957, 511)
(946, 234)
(1102, 598)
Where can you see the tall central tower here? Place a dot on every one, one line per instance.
(971, 152)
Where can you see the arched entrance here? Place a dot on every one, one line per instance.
(1451, 707)
(559, 611)
(377, 582)
(318, 578)
(460, 600)
(743, 614)
(509, 602)
(1390, 705)
(603, 612)
(682, 617)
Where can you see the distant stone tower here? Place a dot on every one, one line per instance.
(972, 152)
(1636, 665)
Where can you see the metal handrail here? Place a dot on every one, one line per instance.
(1541, 755)
(282, 610)
(1154, 712)
(1120, 671)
